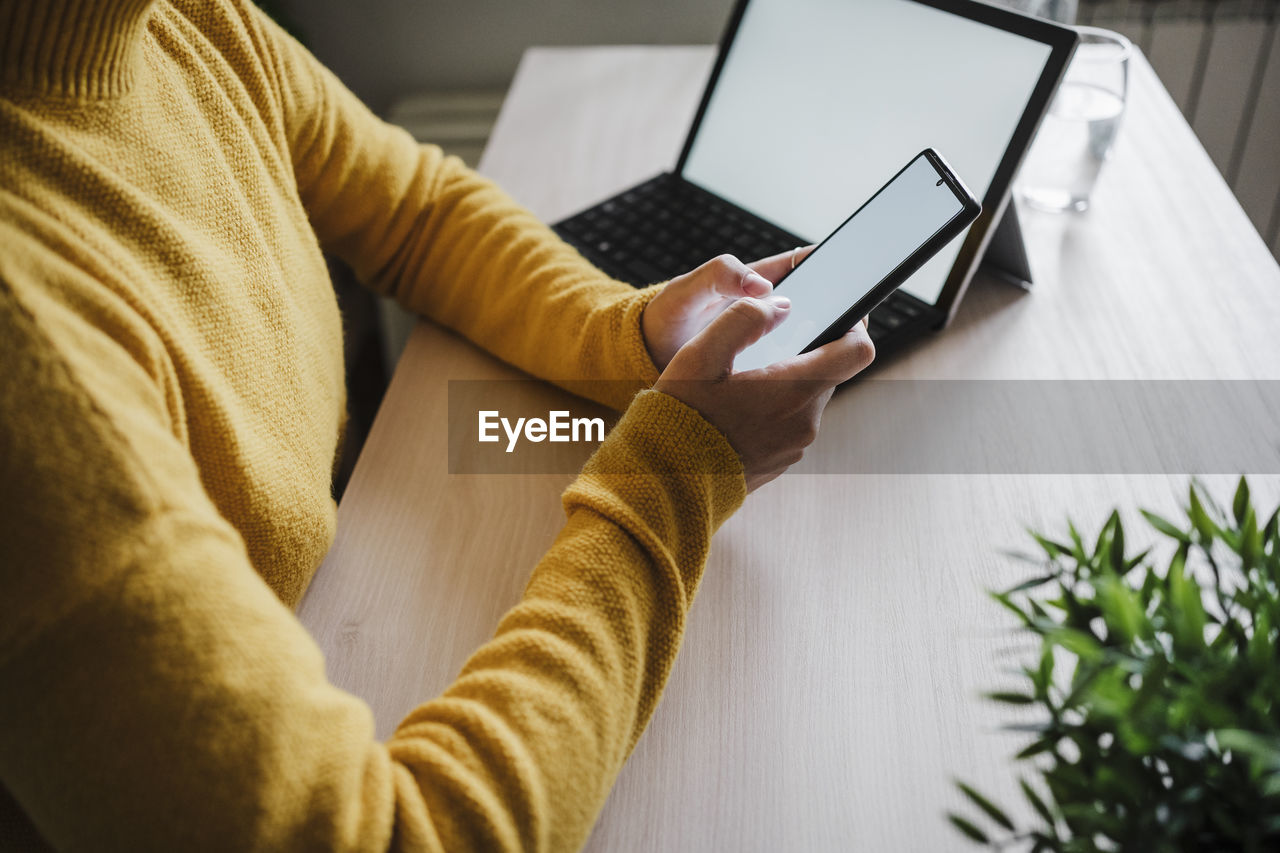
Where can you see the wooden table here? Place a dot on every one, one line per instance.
(828, 687)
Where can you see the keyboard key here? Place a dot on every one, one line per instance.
(666, 227)
(644, 273)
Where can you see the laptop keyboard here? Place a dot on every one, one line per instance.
(665, 227)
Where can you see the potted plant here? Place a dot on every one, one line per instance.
(1157, 689)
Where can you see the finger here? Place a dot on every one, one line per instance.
(737, 327)
(836, 362)
(777, 266)
(714, 283)
(725, 275)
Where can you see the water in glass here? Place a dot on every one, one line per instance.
(1079, 131)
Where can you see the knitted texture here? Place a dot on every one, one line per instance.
(172, 401)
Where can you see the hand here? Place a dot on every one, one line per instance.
(768, 415)
(690, 301)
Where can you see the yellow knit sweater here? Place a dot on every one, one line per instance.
(170, 402)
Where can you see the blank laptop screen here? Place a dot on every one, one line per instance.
(822, 101)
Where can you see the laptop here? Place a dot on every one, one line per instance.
(810, 105)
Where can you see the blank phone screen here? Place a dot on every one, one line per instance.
(859, 255)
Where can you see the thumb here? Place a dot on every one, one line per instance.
(739, 326)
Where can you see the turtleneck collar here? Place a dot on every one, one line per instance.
(73, 48)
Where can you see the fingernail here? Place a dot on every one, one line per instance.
(780, 302)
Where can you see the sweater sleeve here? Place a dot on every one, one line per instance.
(156, 695)
(448, 244)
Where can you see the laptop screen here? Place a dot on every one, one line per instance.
(819, 102)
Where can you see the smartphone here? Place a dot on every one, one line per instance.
(907, 222)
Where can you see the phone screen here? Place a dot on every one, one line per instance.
(858, 255)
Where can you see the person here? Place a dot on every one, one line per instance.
(172, 397)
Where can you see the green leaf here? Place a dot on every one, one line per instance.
(1250, 540)
(1261, 651)
(1272, 528)
(1211, 506)
(1166, 527)
(1008, 603)
(1136, 560)
(1035, 748)
(1200, 518)
(1030, 583)
(1080, 611)
(1106, 536)
(1117, 546)
(990, 808)
(1150, 586)
(1051, 548)
(1188, 609)
(1021, 556)
(1082, 645)
(1009, 698)
(1258, 747)
(970, 831)
(1029, 728)
(1046, 843)
(1121, 609)
(1241, 502)
(1271, 788)
(1044, 672)
(1077, 544)
(1037, 802)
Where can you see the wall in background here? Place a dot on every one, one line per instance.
(385, 48)
(1220, 61)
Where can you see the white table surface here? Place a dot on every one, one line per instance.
(828, 686)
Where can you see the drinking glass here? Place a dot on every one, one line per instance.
(1080, 128)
